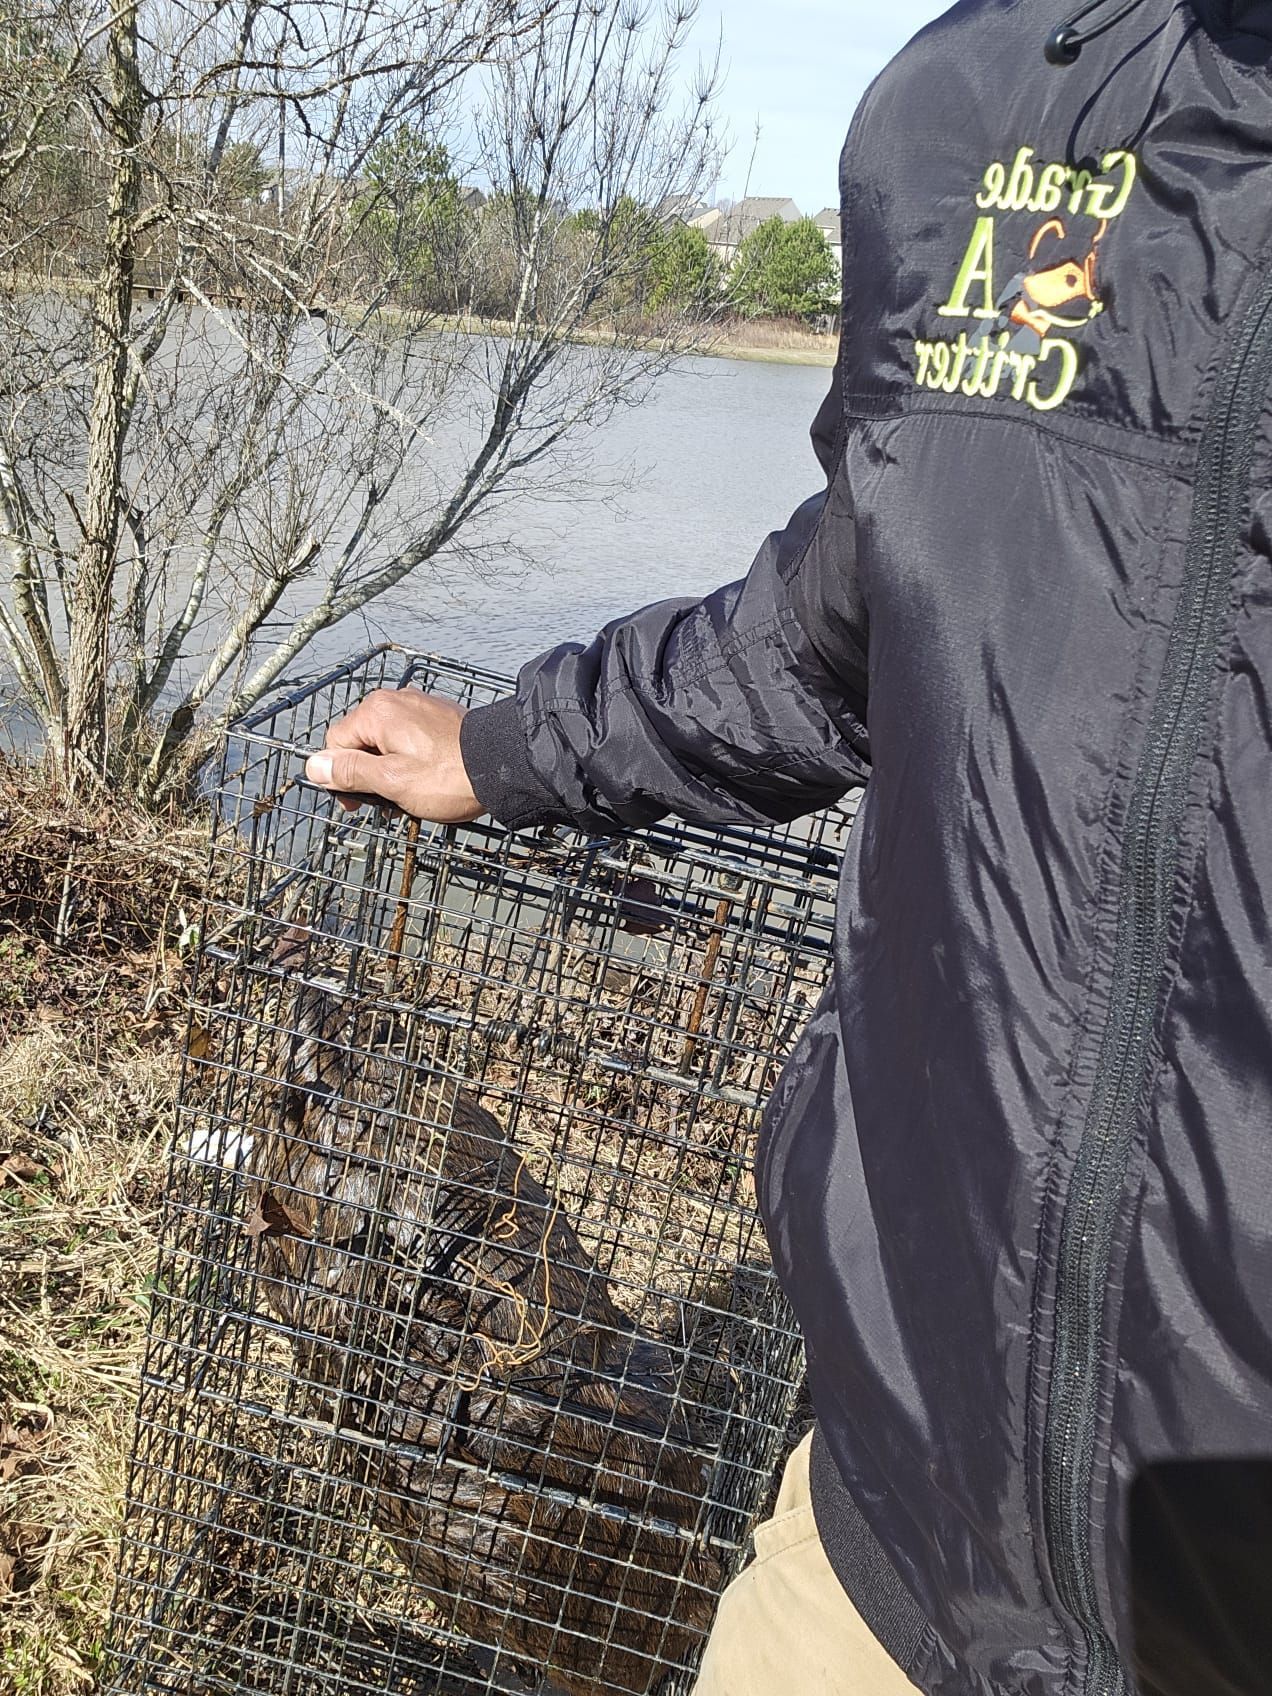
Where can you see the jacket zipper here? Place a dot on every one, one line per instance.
(1150, 864)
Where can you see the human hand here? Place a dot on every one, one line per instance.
(399, 745)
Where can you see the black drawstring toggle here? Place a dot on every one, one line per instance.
(1063, 45)
(1066, 41)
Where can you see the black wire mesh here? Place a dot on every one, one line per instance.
(467, 1368)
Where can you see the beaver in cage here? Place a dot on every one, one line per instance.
(520, 1438)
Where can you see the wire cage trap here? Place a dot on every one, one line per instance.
(467, 1370)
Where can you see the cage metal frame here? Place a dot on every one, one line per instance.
(621, 1006)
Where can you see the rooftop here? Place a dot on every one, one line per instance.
(734, 226)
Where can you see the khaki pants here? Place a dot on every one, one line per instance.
(785, 1626)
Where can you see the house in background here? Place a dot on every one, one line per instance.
(827, 221)
(679, 209)
(726, 231)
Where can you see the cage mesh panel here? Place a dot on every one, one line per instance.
(467, 1370)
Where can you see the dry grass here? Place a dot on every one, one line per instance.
(91, 912)
(781, 341)
(93, 883)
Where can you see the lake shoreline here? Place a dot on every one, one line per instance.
(770, 341)
(773, 355)
(775, 341)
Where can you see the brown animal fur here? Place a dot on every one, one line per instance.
(444, 1308)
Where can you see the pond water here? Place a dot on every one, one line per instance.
(712, 461)
(679, 492)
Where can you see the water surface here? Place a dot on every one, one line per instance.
(678, 493)
(713, 460)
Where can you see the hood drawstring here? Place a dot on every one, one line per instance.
(1066, 41)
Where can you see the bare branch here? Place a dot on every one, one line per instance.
(265, 354)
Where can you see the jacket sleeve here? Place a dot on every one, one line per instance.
(747, 706)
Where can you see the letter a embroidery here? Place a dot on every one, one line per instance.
(977, 267)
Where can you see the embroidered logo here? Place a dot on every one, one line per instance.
(1019, 342)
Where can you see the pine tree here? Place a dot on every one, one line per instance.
(784, 271)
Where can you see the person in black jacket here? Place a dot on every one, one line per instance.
(1017, 1176)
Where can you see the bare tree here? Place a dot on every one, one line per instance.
(235, 407)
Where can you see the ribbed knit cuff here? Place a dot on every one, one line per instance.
(872, 1583)
(492, 741)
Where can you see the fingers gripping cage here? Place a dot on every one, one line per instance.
(467, 1369)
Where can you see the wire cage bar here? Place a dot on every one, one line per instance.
(467, 1371)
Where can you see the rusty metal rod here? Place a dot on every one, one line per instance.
(397, 935)
(714, 943)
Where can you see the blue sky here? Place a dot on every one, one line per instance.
(799, 67)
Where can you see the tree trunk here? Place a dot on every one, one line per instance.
(84, 722)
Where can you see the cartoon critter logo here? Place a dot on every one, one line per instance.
(1020, 344)
(1068, 283)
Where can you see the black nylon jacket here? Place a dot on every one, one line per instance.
(1017, 1176)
